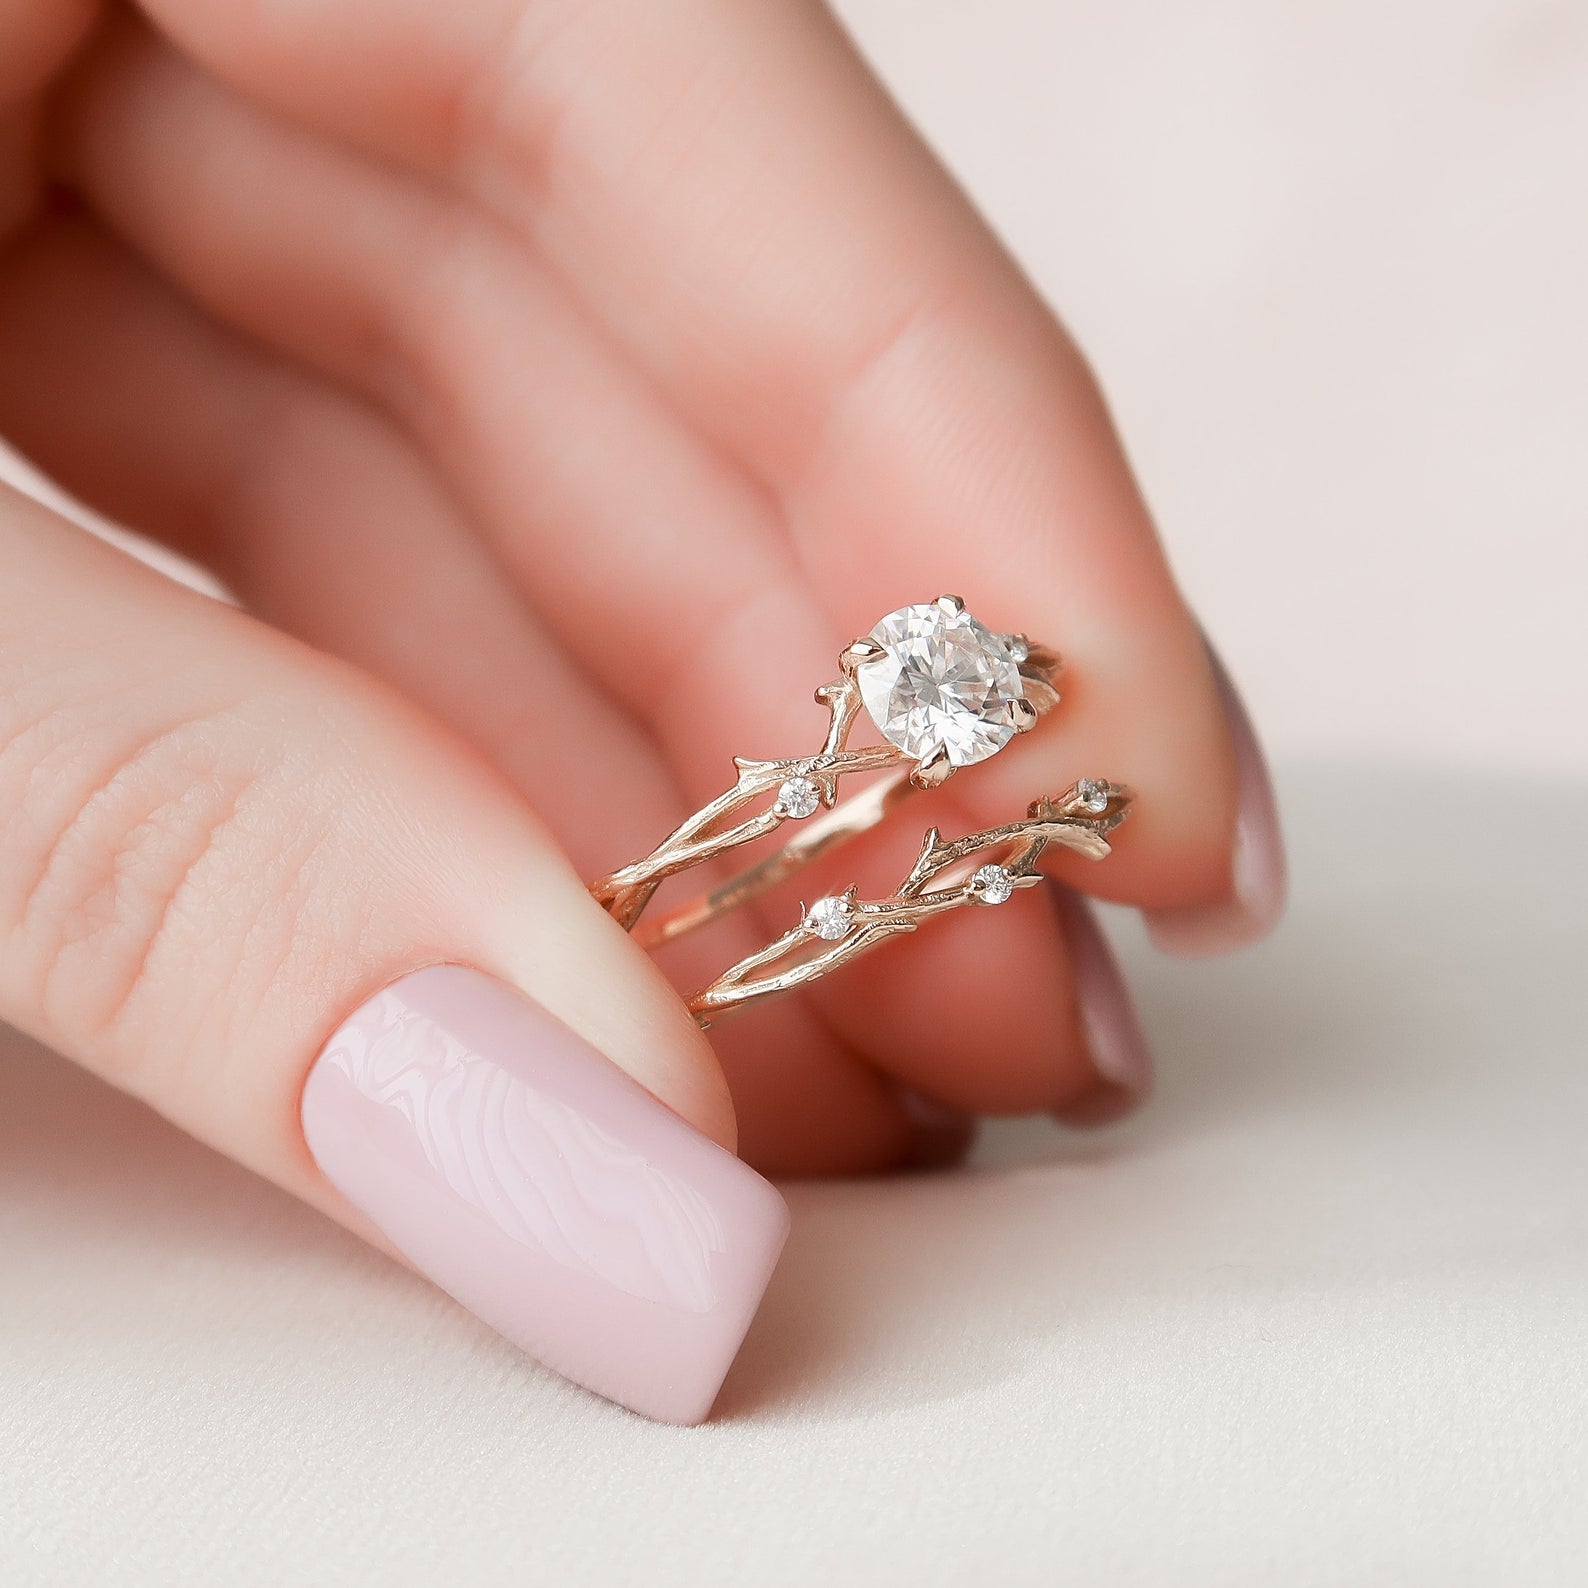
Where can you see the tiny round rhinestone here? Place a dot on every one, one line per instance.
(993, 884)
(1092, 795)
(798, 797)
(829, 918)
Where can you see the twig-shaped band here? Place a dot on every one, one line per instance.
(840, 928)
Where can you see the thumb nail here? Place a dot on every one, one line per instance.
(544, 1189)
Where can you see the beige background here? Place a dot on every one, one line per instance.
(1320, 1316)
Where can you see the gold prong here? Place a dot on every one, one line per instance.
(858, 652)
(1023, 715)
(952, 604)
(933, 769)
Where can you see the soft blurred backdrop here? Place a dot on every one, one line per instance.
(1330, 261)
(1318, 1316)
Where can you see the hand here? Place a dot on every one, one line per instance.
(558, 386)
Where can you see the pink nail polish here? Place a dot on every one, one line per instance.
(1258, 881)
(1114, 1039)
(544, 1189)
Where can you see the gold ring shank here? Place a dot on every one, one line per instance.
(728, 822)
(841, 928)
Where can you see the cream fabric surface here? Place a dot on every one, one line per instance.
(1320, 1315)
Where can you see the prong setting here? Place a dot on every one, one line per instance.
(933, 769)
(858, 652)
(939, 676)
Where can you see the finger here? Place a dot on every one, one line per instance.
(328, 524)
(311, 507)
(36, 36)
(382, 283)
(220, 852)
(786, 261)
(264, 261)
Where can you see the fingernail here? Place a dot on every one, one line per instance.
(1115, 1044)
(940, 1137)
(544, 1189)
(1257, 872)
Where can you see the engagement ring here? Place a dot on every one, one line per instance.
(945, 692)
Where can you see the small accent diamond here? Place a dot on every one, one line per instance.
(829, 918)
(993, 884)
(1092, 795)
(798, 797)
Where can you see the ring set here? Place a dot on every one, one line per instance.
(944, 692)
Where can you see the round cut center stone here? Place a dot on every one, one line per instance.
(943, 679)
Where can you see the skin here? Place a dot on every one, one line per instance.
(558, 386)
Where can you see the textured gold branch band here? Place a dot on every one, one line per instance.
(840, 928)
(944, 692)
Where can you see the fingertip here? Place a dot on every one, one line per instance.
(940, 1137)
(1258, 879)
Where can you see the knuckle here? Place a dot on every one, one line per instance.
(154, 876)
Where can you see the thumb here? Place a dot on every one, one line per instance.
(265, 894)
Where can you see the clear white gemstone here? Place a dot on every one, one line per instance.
(942, 680)
(798, 797)
(993, 884)
(829, 918)
(1017, 648)
(1092, 795)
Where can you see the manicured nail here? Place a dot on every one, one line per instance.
(544, 1189)
(1120, 1058)
(940, 1137)
(1257, 871)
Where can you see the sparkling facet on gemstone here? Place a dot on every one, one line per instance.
(1092, 795)
(993, 884)
(942, 680)
(798, 797)
(830, 918)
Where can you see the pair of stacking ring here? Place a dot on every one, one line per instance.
(945, 692)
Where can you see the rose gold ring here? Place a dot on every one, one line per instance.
(945, 692)
(840, 927)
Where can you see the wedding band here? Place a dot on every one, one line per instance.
(839, 928)
(943, 690)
